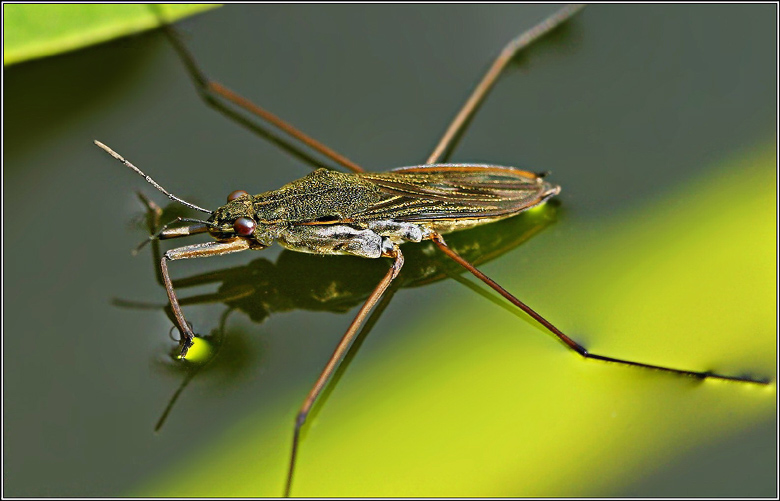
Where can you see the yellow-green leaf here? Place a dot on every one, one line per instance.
(38, 30)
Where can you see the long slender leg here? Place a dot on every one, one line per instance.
(366, 329)
(190, 252)
(207, 88)
(338, 354)
(439, 241)
(481, 90)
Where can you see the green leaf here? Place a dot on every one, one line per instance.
(32, 31)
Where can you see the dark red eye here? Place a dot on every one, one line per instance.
(244, 226)
(237, 194)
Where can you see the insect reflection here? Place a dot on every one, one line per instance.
(298, 281)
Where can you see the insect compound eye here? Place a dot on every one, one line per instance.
(236, 194)
(244, 226)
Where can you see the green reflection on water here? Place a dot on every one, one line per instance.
(474, 402)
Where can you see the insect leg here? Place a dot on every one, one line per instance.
(166, 233)
(365, 330)
(208, 88)
(153, 211)
(339, 353)
(156, 232)
(190, 252)
(439, 241)
(479, 93)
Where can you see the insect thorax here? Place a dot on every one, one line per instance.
(322, 196)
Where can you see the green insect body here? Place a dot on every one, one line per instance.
(365, 214)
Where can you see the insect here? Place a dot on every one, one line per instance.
(370, 215)
(298, 280)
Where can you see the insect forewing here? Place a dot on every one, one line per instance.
(455, 191)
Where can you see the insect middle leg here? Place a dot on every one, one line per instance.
(339, 353)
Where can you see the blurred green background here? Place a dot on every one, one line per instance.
(657, 121)
(31, 31)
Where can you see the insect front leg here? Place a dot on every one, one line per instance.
(570, 343)
(190, 252)
(159, 232)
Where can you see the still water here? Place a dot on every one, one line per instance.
(646, 116)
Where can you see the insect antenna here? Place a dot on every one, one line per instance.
(149, 179)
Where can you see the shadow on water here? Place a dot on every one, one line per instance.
(337, 284)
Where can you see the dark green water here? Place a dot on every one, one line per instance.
(620, 107)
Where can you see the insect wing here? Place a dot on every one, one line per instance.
(454, 191)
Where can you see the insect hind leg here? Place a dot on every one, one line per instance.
(480, 92)
(570, 343)
(210, 90)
